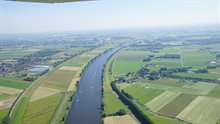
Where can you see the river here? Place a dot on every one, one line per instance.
(86, 106)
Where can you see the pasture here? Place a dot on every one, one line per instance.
(196, 59)
(169, 63)
(215, 92)
(157, 119)
(202, 87)
(203, 109)
(142, 94)
(41, 111)
(125, 119)
(178, 104)
(129, 60)
(160, 101)
(198, 75)
(13, 83)
(3, 113)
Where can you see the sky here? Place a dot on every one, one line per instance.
(25, 17)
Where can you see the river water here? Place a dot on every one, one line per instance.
(86, 106)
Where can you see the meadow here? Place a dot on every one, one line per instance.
(129, 60)
(142, 94)
(13, 83)
(200, 75)
(196, 59)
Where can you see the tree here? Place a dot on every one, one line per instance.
(202, 71)
(153, 75)
(218, 55)
(143, 71)
(146, 59)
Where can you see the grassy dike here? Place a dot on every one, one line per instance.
(110, 100)
(111, 104)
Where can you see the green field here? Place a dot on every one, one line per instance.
(196, 59)
(202, 110)
(13, 83)
(198, 75)
(129, 60)
(157, 119)
(215, 92)
(3, 114)
(17, 116)
(203, 87)
(170, 63)
(41, 111)
(164, 82)
(178, 104)
(142, 94)
(161, 100)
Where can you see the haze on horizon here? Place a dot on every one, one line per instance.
(25, 17)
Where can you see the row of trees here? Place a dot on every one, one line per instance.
(143, 118)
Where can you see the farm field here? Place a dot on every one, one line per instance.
(170, 63)
(196, 59)
(9, 91)
(59, 79)
(41, 111)
(6, 103)
(201, 75)
(3, 114)
(125, 119)
(142, 94)
(202, 87)
(202, 110)
(43, 92)
(215, 92)
(129, 58)
(161, 100)
(13, 83)
(174, 107)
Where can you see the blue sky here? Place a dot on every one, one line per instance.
(22, 17)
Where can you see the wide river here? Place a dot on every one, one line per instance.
(86, 106)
